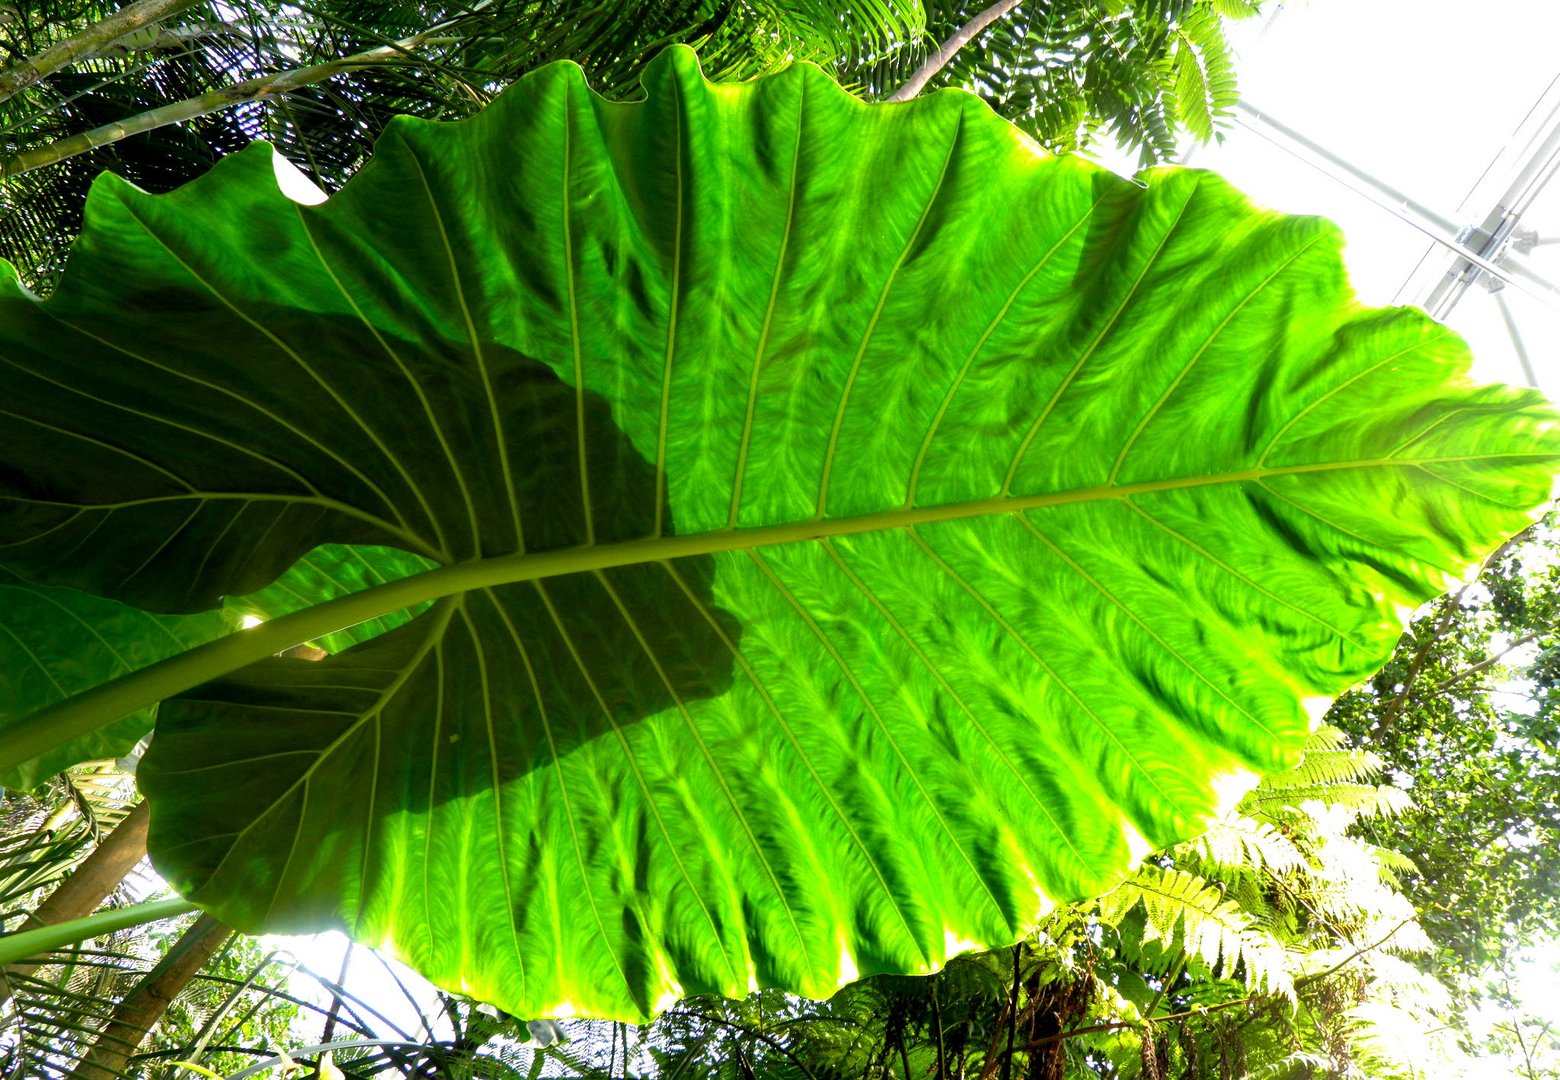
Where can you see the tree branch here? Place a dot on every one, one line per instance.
(939, 59)
(1123, 1025)
(1490, 661)
(62, 54)
(1422, 654)
(1307, 980)
(1007, 1061)
(1164, 987)
(265, 86)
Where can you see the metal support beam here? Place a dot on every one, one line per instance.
(1438, 227)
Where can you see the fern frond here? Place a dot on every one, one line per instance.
(1237, 9)
(1241, 843)
(1392, 1041)
(1299, 1065)
(1403, 978)
(1352, 800)
(1392, 865)
(1204, 75)
(1183, 909)
(847, 28)
(1320, 768)
(1326, 737)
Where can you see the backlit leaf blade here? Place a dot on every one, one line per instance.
(335, 570)
(56, 642)
(915, 524)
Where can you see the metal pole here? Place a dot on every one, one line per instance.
(1439, 228)
(1517, 344)
(1491, 237)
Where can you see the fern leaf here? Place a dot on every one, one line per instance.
(1393, 1041)
(1322, 767)
(1204, 73)
(1237, 9)
(1326, 737)
(1347, 802)
(1393, 864)
(1183, 909)
(1241, 843)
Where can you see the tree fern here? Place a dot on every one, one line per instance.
(1282, 870)
(1239, 843)
(1400, 1041)
(1326, 764)
(1357, 800)
(1184, 911)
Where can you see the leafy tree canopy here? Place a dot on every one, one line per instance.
(1465, 716)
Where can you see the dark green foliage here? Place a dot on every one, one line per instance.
(1140, 71)
(1143, 72)
(475, 50)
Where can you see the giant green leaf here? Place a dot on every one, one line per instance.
(858, 530)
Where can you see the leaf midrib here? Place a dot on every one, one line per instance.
(95, 708)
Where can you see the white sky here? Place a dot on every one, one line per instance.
(1423, 95)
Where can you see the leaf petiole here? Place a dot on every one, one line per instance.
(28, 944)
